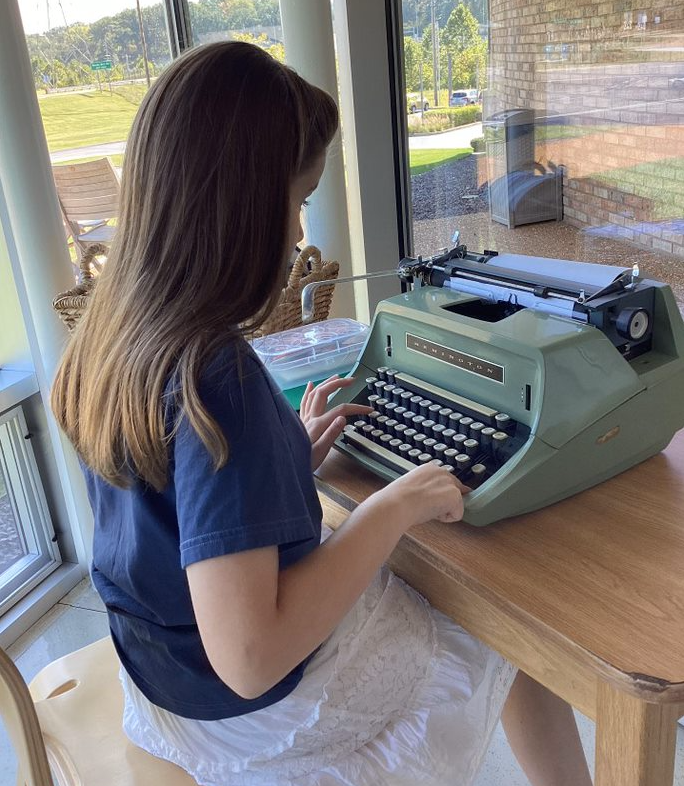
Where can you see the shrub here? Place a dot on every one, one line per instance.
(443, 119)
(478, 144)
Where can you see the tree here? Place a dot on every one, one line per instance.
(412, 57)
(461, 31)
(239, 14)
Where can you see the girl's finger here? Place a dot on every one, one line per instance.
(304, 405)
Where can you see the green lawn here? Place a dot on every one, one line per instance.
(78, 119)
(424, 160)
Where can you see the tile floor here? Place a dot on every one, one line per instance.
(79, 619)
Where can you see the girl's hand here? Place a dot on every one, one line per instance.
(425, 493)
(325, 427)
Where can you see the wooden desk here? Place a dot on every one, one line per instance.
(586, 596)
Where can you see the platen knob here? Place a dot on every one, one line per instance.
(632, 323)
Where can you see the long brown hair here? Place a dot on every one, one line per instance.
(199, 253)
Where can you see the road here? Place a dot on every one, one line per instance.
(447, 140)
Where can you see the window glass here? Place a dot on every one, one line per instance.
(573, 146)
(255, 21)
(92, 64)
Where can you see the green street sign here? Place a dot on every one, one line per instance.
(101, 65)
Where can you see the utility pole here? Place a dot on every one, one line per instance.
(144, 44)
(435, 53)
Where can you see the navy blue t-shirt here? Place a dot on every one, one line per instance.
(144, 540)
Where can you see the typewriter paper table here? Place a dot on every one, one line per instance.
(586, 596)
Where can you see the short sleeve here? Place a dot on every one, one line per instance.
(262, 496)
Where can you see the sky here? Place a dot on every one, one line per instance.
(34, 13)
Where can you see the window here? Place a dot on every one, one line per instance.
(27, 551)
(577, 150)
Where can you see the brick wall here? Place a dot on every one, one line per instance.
(599, 76)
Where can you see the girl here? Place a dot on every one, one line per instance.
(251, 653)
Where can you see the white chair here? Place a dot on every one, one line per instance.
(69, 721)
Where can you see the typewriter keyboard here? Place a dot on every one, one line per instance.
(414, 422)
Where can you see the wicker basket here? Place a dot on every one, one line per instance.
(307, 268)
(71, 305)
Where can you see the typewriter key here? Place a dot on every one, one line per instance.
(409, 434)
(418, 439)
(382, 373)
(370, 382)
(371, 417)
(408, 416)
(414, 401)
(405, 398)
(499, 438)
(449, 468)
(418, 421)
(384, 440)
(437, 462)
(437, 430)
(399, 412)
(462, 462)
(476, 429)
(391, 373)
(464, 424)
(450, 456)
(390, 424)
(393, 445)
(470, 447)
(478, 474)
(429, 445)
(458, 440)
(423, 404)
(372, 399)
(379, 386)
(375, 434)
(486, 436)
(380, 421)
(427, 425)
(380, 404)
(359, 424)
(444, 415)
(454, 419)
(404, 449)
(413, 454)
(350, 429)
(503, 421)
(448, 435)
(424, 458)
(439, 450)
(367, 430)
(390, 406)
(433, 412)
(396, 394)
(388, 390)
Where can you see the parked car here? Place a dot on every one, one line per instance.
(473, 96)
(459, 98)
(413, 103)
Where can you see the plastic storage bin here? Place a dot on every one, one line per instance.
(311, 352)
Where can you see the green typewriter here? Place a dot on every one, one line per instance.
(529, 378)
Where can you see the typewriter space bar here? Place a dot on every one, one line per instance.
(445, 396)
(384, 456)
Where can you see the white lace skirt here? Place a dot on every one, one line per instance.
(398, 696)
